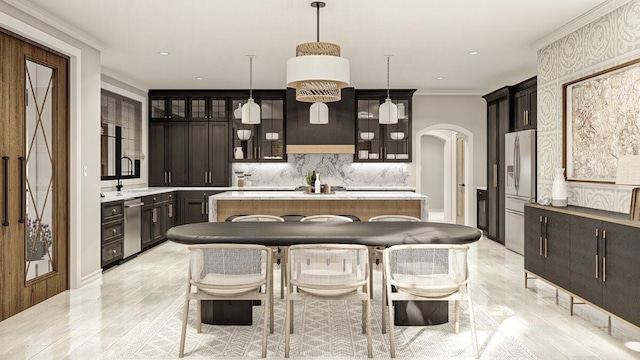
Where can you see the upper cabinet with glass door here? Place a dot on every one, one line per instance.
(208, 109)
(383, 142)
(264, 141)
(168, 108)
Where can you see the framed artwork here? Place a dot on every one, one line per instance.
(601, 122)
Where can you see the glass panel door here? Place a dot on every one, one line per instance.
(272, 130)
(369, 138)
(397, 135)
(38, 172)
(244, 135)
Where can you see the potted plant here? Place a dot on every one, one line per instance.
(38, 239)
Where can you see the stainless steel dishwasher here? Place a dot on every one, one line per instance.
(132, 243)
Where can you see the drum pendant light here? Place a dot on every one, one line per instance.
(318, 73)
(319, 113)
(250, 110)
(388, 110)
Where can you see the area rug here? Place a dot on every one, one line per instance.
(323, 329)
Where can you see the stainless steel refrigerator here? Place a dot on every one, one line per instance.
(520, 184)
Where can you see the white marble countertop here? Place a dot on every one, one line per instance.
(300, 195)
(140, 192)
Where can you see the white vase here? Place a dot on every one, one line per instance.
(238, 153)
(559, 190)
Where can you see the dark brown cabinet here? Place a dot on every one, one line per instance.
(547, 246)
(335, 137)
(208, 156)
(112, 234)
(591, 254)
(194, 206)
(167, 108)
(498, 124)
(380, 142)
(604, 267)
(481, 211)
(525, 105)
(208, 109)
(168, 154)
(158, 216)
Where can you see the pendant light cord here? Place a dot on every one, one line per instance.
(388, 56)
(317, 23)
(251, 76)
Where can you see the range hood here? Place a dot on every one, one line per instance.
(321, 149)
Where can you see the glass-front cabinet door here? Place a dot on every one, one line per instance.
(369, 141)
(167, 108)
(271, 144)
(380, 142)
(203, 109)
(244, 135)
(396, 136)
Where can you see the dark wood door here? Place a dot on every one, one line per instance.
(586, 256)
(492, 171)
(520, 109)
(176, 153)
(557, 249)
(198, 153)
(533, 240)
(532, 100)
(620, 271)
(158, 175)
(193, 206)
(34, 123)
(146, 225)
(218, 162)
(157, 223)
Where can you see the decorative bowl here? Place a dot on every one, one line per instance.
(397, 135)
(366, 135)
(244, 134)
(374, 156)
(272, 136)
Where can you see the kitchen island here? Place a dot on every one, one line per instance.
(363, 204)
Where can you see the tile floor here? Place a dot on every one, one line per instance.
(99, 320)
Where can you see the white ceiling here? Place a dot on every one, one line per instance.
(210, 38)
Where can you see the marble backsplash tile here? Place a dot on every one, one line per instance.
(334, 169)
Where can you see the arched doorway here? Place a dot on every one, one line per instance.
(448, 133)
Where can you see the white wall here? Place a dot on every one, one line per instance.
(469, 112)
(433, 171)
(608, 41)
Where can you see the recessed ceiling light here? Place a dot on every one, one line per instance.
(439, 78)
(163, 53)
(474, 52)
(198, 78)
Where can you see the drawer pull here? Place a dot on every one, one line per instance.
(114, 251)
(115, 231)
(114, 211)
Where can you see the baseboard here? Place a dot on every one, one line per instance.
(93, 277)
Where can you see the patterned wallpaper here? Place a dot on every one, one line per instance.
(611, 40)
(333, 169)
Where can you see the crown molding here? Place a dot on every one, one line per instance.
(33, 10)
(579, 22)
(123, 79)
(469, 92)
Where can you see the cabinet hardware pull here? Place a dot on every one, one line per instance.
(114, 251)
(540, 245)
(205, 177)
(604, 255)
(170, 210)
(209, 177)
(170, 177)
(206, 208)
(526, 117)
(114, 211)
(114, 231)
(23, 190)
(546, 247)
(495, 175)
(597, 252)
(154, 214)
(5, 162)
(166, 181)
(202, 208)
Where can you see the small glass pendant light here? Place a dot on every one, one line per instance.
(388, 110)
(319, 113)
(250, 110)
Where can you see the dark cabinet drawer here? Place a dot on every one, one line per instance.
(111, 232)
(112, 252)
(112, 211)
